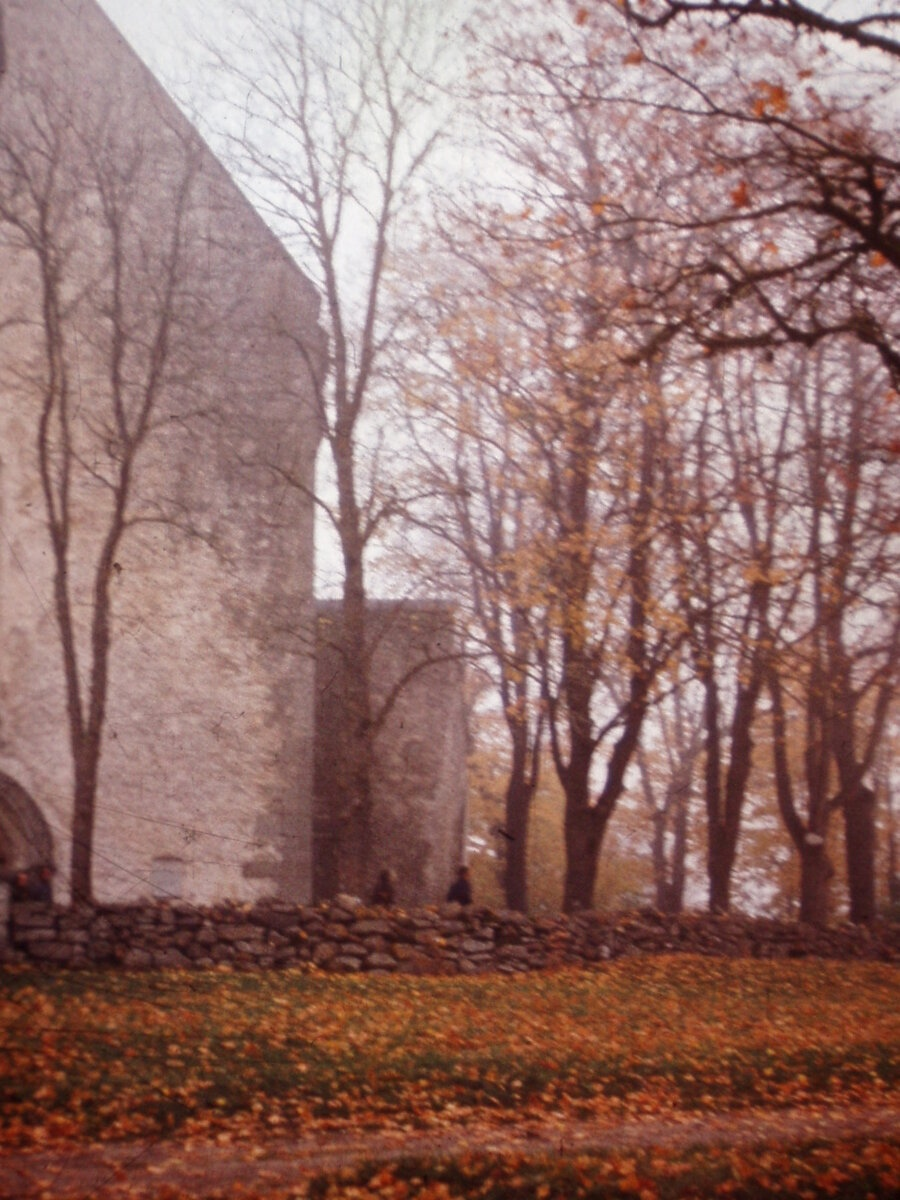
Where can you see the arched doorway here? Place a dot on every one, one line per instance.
(25, 838)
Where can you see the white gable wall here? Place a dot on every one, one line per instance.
(207, 760)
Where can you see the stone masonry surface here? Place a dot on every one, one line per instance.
(345, 936)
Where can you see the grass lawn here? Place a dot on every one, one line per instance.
(102, 1056)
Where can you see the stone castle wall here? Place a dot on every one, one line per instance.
(206, 787)
(419, 777)
(206, 773)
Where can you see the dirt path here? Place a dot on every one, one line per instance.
(113, 1172)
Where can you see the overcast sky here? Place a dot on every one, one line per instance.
(150, 25)
(163, 33)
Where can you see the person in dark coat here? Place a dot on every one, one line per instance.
(20, 888)
(461, 888)
(383, 892)
(42, 885)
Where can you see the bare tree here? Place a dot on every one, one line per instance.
(333, 116)
(874, 28)
(669, 768)
(725, 492)
(477, 518)
(833, 680)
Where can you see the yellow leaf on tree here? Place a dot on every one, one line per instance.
(770, 98)
(740, 196)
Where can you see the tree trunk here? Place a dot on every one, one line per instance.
(679, 856)
(355, 802)
(859, 841)
(726, 804)
(815, 881)
(86, 758)
(519, 794)
(893, 881)
(584, 836)
(669, 871)
(658, 856)
(81, 861)
(720, 860)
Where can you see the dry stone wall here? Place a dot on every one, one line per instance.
(344, 936)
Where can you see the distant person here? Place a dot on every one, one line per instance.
(383, 892)
(21, 887)
(42, 885)
(461, 888)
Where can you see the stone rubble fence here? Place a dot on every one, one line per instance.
(345, 936)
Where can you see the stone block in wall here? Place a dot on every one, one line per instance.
(57, 952)
(336, 931)
(250, 949)
(324, 953)
(448, 928)
(472, 948)
(188, 919)
(239, 933)
(510, 919)
(135, 958)
(426, 919)
(27, 937)
(381, 962)
(366, 927)
(467, 966)
(513, 953)
(429, 937)
(74, 937)
(353, 949)
(101, 929)
(33, 916)
(277, 919)
(346, 963)
(170, 959)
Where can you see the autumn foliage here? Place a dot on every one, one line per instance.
(223, 1057)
